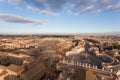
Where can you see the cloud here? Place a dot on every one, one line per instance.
(53, 7)
(56, 5)
(87, 6)
(34, 9)
(107, 1)
(21, 3)
(114, 7)
(32, 5)
(80, 4)
(17, 19)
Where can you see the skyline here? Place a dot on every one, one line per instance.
(59, 16)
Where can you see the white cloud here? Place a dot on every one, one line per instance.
(17, 19)
(114, 7)
(107, 1)
(52, 7)
(98, 11)
(34, 9)
(76, 14)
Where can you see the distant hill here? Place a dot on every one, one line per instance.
(66, 34)
(100, 34)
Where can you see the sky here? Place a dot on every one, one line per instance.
(59, 16)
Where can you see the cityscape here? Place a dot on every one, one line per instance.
(61, 57)
(59, 40)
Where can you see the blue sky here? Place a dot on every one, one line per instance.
(59, 16)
